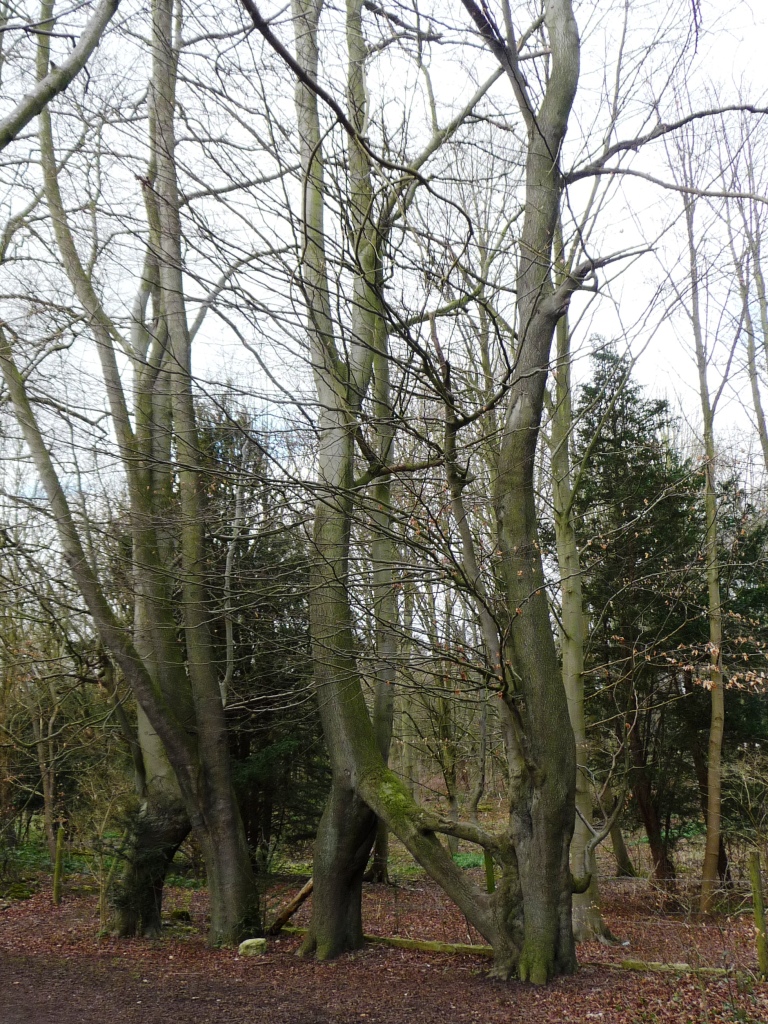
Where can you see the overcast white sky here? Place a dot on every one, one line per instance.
(732, 59)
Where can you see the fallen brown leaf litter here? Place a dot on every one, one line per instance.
(55, 969)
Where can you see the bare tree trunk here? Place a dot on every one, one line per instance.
(528, 919)
(199, 754)
(624, 866)
(219, 827)
(543, 789)
(161, 826)
(700, 767)
(663, 868)
(741, 267)
(588, 921)
(481, 761)
(382, 553)
(715, 615)
(47, 780)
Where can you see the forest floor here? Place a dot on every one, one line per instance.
(56, 969)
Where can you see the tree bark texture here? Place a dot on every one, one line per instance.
(180, 698)
(543, 790)
(528, 918)
(588, 921)
(714, 609)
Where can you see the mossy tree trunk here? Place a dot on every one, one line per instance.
(528, 918)
(178, 692)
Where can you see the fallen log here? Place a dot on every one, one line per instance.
(464, 949)
(290, 908)
(651, 965)
(420, 945)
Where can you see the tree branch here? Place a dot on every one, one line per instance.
(58, 78)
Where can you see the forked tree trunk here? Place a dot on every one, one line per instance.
(199, 755)
(217, 822)
(528, 918)
(543, 791)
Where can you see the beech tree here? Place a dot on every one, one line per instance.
(181, 718)
(528, 918)
(426, 321)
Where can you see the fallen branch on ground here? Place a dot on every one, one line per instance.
(421, 945)
(464, 949)
(290, 908)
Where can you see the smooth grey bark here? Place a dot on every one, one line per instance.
(528, 918)
(181, 699)
(383, 548)
(347, 828)
(218, 824)
(543, 785)
(55, 81)
(588, 923)
(361, 782)
(714, 605)
(234, 909)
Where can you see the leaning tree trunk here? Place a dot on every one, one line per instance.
(528, 919)
(218, 824)
(199, 755)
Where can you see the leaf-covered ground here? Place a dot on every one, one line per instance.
(54, 969)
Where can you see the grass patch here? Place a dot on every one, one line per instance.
(468, 860)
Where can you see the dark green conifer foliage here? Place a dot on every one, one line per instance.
(640, 527)
(280, 766)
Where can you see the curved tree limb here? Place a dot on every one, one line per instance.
(58, 78)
